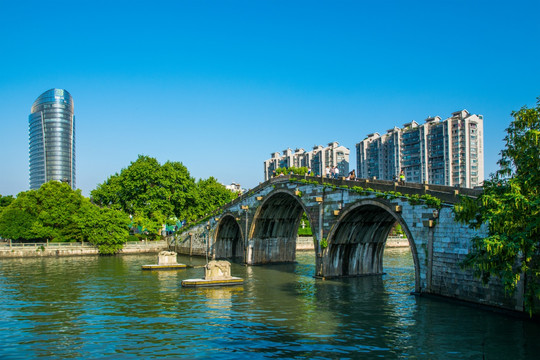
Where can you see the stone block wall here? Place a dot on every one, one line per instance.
(192, 241)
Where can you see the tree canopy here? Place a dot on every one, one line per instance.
(55, 212)
(155, 194)
(510, 206)
(5, 201)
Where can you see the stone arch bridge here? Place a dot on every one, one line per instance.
(350, 221)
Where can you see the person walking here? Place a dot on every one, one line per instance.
(327, 171)
(402, 177)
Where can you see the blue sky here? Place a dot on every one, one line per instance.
(219, 85)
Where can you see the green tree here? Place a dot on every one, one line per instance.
(5, 201)
(20, 219)
(16, 224)
(510, 206)
(106, 228)
(55, 212)
(155, 194)
(149, 192)
(56, 204)
(211, 195)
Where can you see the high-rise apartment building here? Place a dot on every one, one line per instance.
(317, 159)
(446, 152)
(52, 139)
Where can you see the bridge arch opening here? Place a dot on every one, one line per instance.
(357, 242)
(229, 243)
(273, 235)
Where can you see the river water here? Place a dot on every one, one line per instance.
(108, 308)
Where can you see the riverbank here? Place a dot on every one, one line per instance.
(305, 243)
(21, 250)
(397, 242)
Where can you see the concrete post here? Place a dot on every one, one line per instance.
(249, 253)
(319, 258)
(429, 272)
(246, 239)
(210, 242)
(520, 293)
(206, 243)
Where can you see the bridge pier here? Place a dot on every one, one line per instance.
(271, 250)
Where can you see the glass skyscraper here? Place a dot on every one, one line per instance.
(52, 139)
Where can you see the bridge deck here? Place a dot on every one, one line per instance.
(448, 194)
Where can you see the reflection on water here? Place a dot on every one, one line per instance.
(92, 307)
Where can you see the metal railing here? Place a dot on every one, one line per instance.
(48, 245)
(145, 244)
(73, 245)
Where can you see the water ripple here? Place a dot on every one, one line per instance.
(107, 308)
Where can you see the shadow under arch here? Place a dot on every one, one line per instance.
(228, 243)
(356, 242)
(274, 228)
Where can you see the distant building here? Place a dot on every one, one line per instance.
(317, 159)
(52, 138)
(445, 152)
(271, 164)
(235, 188)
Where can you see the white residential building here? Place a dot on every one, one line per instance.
(446, 152)
(317, 159)
(235, 187)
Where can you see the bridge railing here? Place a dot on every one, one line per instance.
(44, 245)
(447, 194)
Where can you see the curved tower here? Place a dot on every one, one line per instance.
(52, 139)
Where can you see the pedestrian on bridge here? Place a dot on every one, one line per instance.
(402, 177)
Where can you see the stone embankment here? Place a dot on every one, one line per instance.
(304, 243)
(20, 250)
(195, 244)
(397, 242)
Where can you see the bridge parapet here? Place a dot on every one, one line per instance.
(448, 194)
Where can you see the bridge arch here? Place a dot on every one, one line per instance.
(229, 243)
(274, 228)
(356, 242)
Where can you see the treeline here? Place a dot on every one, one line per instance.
(55, 212)
(144, 195)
